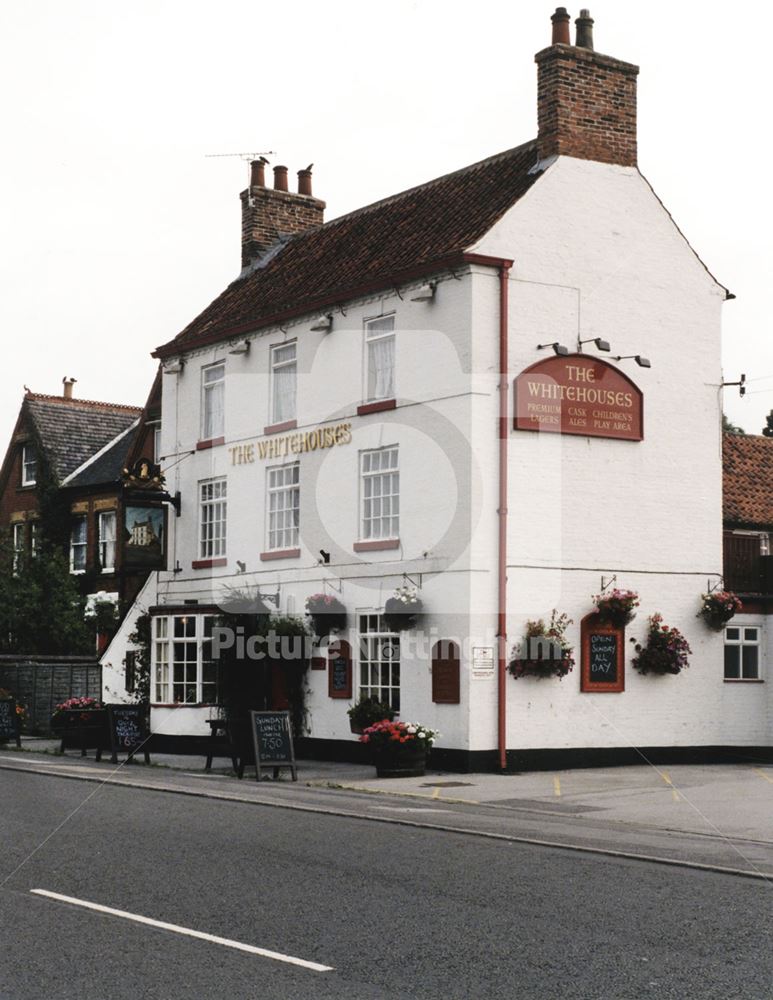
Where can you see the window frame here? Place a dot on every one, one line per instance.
(102, 543)
(207, 432)
(26, 462)
(277, 368)
(374, 338)
(79, 519)
(18, 544)
(217, 543)
(370, 475)
(380, 635)
(743, 642)
(285, 487)
(164, 639)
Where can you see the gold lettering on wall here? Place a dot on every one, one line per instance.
(290, 444)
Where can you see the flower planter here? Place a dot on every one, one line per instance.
(355, 728)
(540, 668)
(401, 760)
(82, 730)
(324, 624)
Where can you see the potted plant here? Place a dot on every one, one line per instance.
(543, 643)
(718, 608)
(81, 723)
(666, 650)
(402, 610)
(327, 613)
(617, 607)
(367, 710)
(399, 749)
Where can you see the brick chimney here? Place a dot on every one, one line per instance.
(270, 213)
(586, 102)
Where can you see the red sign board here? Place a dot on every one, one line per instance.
(578, 394)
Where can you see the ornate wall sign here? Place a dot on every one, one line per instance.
(578, 394)
(290, 444)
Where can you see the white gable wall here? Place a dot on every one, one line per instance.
(596, 254)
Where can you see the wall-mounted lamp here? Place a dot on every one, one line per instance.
(741, 389)
(640, 361)
(424, 293)
(324, 324)
(241, 347)
(558, 349)
(325, 557)
(601, 345)
(175, 368)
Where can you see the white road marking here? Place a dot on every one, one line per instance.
(227, 942)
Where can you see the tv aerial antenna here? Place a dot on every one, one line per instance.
(247, 157)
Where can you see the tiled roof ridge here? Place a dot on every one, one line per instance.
(45, 398)
(486, 161)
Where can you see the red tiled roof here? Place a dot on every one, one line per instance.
(747, 495)
(417, 228)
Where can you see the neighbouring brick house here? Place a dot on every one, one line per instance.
(64, 477)
(747, 507)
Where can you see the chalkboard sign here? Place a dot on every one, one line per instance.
(129, 732)
(602, 656)
(9, 723)
(602, 665)
(273, 741)
(339, 674)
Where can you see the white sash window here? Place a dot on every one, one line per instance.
(380, 345)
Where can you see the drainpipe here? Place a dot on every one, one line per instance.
(504, 436)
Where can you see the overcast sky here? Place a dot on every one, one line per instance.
(117, 228)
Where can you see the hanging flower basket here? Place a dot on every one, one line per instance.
(617, 608)
(327, 613)
(401, 612)
(666, 650)
(718, 608)
(545, 651)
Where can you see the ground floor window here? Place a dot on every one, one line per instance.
(379, 661)
(742, 652)
(184, 672)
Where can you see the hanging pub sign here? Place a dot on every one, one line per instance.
(578, 394)
(144, 536)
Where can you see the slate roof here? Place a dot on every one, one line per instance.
(427, 224)
(108, 467)
(70, 431)
(747, 494)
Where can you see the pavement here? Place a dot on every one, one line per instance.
(731, 801)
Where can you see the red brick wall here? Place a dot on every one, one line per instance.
(268, 214)
(586, 105)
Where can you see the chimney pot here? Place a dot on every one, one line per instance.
(258, 173)
(280, 178)
(584, 35)
(68, 383)
(561, 26)
(304, 180)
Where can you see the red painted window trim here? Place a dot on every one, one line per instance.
(207, 564)
(287, 425)
(209, 443)
(377, 406)
(280, 554)
(181, 704)
(744, 680)
(377, 545)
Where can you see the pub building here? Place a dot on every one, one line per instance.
(496, 391)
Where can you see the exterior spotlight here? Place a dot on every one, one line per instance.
(640, 361)
(175, 368)
(601, 345)
(424, 293)
(558, 349)
(241, 347)
(324, 324)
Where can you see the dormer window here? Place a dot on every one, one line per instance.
(29, 465)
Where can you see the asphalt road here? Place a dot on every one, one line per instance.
(395, 911)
